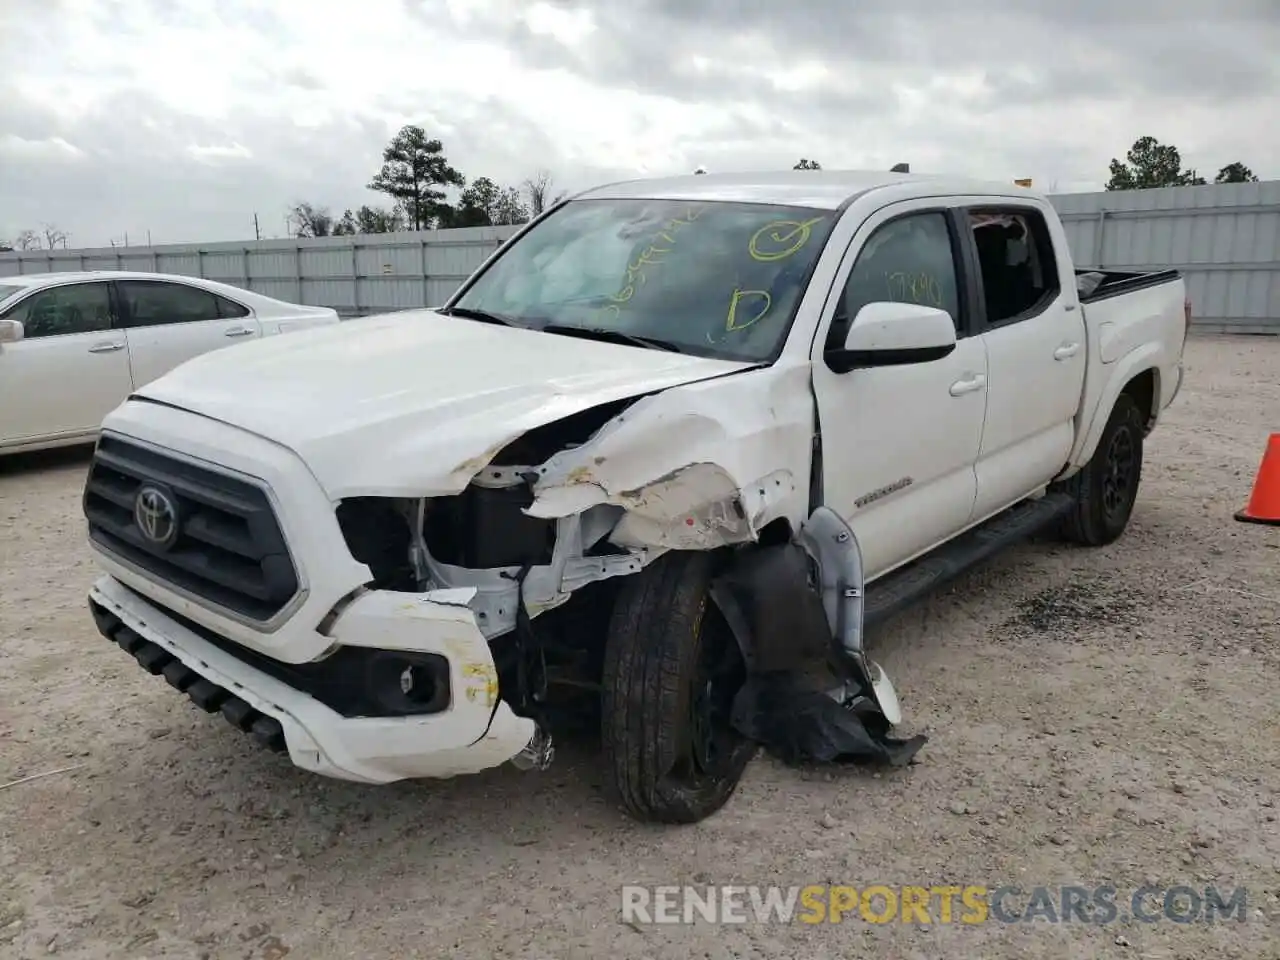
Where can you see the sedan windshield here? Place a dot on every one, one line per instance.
(7, 290)
(715, 279)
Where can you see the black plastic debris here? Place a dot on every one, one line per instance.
(798, 723)
(797, 615)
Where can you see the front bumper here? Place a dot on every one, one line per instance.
(475, 732)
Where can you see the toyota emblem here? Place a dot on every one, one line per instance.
(156, 515)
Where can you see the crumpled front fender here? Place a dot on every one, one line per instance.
(694, 467)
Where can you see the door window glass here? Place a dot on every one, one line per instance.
(907, 260)
(75, 308)
(152, 302)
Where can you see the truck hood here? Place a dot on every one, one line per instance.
(414, 403)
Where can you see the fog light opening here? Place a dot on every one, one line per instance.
(418, 685)
(409, 685)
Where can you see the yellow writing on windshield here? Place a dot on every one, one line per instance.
(780, 239)
(661, 244)
(922, 288)
(740, 317)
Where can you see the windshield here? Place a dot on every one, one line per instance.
(7, 290)
(714, 279)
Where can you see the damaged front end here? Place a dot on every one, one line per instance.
(536, 544)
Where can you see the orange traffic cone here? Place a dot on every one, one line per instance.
(1264, 503)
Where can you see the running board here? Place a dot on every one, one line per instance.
(902, 588)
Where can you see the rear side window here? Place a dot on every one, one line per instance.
(1015, 254)
(229, 309)
(73, 308)
(151, 302)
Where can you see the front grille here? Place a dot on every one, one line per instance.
(226, 547)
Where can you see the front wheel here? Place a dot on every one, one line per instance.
(671, 670)
(1106, 490)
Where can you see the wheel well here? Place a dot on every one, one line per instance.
(776, 532)
(1143, 390)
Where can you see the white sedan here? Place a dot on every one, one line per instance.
(74, 345)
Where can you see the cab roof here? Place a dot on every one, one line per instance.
(819, 189)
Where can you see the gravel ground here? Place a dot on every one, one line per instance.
(1096, 717)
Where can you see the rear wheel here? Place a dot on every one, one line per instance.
(1106, 490)
(671, 670)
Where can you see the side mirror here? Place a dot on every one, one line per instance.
(10, 331)
(887, 334)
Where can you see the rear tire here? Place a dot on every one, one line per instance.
(1106, 490)
(671, 669)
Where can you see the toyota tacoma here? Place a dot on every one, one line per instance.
(669, 451)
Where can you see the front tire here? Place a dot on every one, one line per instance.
(671, 669)
(1106, 490)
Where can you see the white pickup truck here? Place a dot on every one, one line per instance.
(650, 453)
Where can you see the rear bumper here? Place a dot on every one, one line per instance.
(474, 732)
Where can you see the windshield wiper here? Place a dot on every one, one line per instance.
(612, 336)
(483, 316)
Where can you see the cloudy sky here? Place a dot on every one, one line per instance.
(185, 117)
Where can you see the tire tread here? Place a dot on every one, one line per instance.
(647, 658)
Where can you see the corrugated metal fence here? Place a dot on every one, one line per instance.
(355, 275)
(1225, 239)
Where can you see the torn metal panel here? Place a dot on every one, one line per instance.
(695, 467)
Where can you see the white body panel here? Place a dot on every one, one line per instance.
(154, 351)
(55, 390)
(416, 405)
(399, 405)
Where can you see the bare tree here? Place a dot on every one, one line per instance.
(53, 237)
(27, 240)
(309, 220)
(538, 188)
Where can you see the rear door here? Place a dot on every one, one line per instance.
(169, 322)
(70, 369)
(1034, 333)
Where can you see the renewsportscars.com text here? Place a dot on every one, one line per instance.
(945, 904)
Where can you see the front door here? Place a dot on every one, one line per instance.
(899, 443)
(70, 369)
(171, 322)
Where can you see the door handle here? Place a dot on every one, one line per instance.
(106, 347)
(1066, 351)
(972, 385)
(238, 332)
